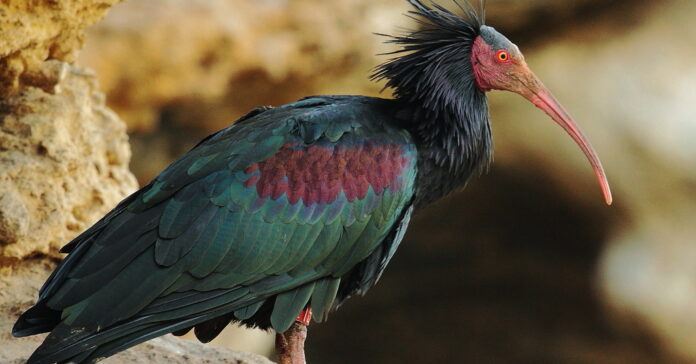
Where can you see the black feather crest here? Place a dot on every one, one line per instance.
(433, 71)
(445, 39)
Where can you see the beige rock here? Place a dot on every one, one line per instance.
(63, 155)
(234, 53)
(63, 161)
(35, 31)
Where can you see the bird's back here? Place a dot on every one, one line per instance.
(297, 206)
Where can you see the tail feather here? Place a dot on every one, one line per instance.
(61, 344)
(82, 341)
(70, 344)
(36, 320)
(207, 331)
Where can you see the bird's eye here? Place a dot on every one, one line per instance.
(502, 56)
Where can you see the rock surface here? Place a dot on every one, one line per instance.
(35, 31)
(227, 56)
(63, 161)
(63, 154)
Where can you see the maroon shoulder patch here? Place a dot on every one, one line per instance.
(320, 173)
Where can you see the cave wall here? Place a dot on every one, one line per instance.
(36, 31)
(64, 153)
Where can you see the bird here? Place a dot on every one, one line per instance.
(291, 210)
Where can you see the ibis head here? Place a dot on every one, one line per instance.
(498, 64)
(447, 66)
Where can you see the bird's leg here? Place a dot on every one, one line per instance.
(290, 344)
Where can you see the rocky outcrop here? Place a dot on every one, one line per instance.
(63, 161)
(63, 154)
(224, 57)
(36, 31)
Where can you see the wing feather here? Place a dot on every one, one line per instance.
(288, 305)
(202, 241)
(323, 297)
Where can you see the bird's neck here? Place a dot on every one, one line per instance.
(454, 143)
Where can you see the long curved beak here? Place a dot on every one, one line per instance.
(539, 95)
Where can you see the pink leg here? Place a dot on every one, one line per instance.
(290, 344)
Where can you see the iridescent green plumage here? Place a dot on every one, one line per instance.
(202, 241)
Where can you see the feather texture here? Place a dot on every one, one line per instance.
(259, 212)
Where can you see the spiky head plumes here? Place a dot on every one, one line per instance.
(432, 72)
(433, 66)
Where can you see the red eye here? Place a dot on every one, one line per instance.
(502, 56)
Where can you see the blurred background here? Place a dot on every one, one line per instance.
(527, 264)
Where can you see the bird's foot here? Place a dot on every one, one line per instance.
(290, 344)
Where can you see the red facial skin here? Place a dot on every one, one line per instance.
(493, 73)
(510, 73)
